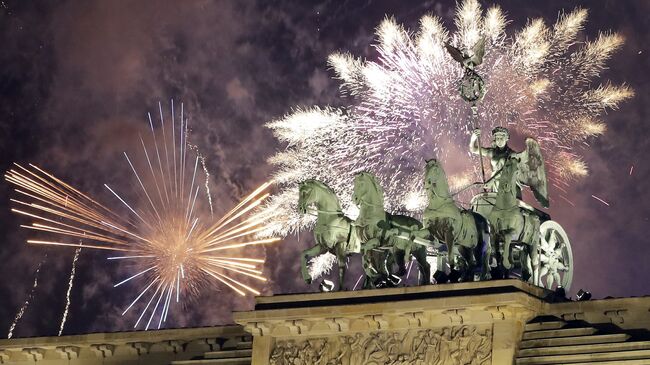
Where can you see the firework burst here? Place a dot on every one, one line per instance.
(405, 107)
(168, 237)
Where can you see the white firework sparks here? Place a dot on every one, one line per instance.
(321, 265)
(406, 107)
(67, 294)
(30, 296)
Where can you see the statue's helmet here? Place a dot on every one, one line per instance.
(501, 130)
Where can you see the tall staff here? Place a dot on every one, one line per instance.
(471, 86)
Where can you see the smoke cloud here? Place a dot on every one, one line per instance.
(78, 78)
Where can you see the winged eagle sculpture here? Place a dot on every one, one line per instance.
(471, 86)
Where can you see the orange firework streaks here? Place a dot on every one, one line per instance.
(176, 249)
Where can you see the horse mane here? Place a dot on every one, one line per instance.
(430, 164)
(320, 184)
(375, 183)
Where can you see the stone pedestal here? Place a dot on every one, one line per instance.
(477, 323)
(495, 322)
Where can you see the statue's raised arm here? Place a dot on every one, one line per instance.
(475, 144)
(498, 153)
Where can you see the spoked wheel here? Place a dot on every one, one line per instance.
(555, 257)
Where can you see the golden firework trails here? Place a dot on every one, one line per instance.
(166, 235)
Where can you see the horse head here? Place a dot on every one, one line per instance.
(367, 190)
(312, 191)
(435, 180)
(305, 195)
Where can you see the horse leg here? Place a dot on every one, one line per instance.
(458, 263)
(400, 260)
(408, 251)
(465, 267)
(304, 259)
(535, 256)
(535, 262)
(484, 243)
(449, 240)
(394, 257)
(371, 272)
(425, 269)
(506, 250)
(367, 282)
(471, 259)
(341, 258)
(498, 239)
(530, 264)
(341, 272)
(486, 255)
(525, 263)
(384, 262)
(471, 263)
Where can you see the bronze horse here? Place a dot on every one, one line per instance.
(381, 231)
(465, 233)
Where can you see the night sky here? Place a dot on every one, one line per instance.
(78, 78)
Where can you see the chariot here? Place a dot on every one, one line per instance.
(554, 266)
(555, 263)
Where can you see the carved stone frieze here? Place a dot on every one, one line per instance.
(460, 345)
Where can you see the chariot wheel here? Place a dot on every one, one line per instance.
(555, 257)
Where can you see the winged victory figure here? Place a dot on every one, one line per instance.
(532, 172)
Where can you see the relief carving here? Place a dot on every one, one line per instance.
(463, 345)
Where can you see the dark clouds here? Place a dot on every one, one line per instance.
(78, 77)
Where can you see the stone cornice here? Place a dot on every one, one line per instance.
(374, 295)
(629, 313)
(417, 307)
(122, 338)
(186, 342)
